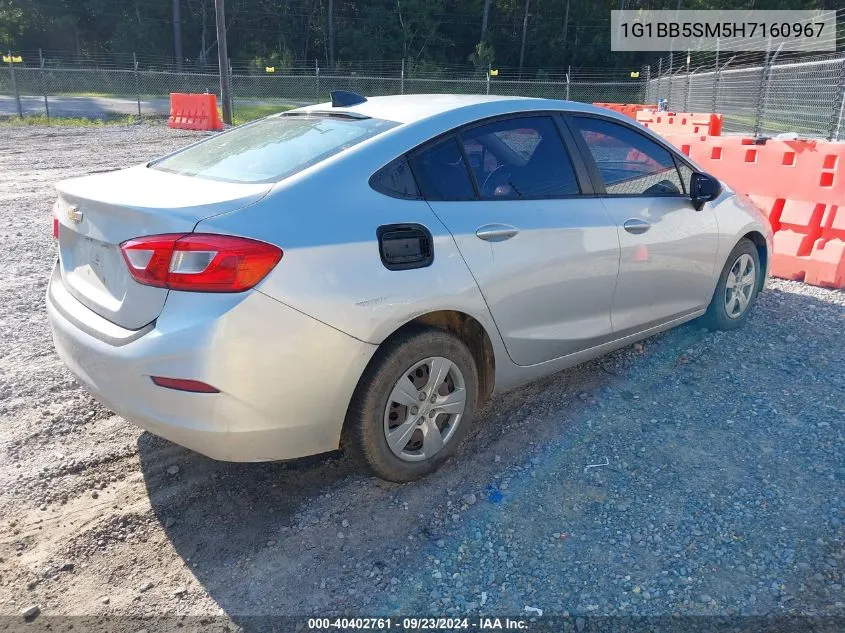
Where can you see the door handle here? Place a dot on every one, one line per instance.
(636, 226)
(496, 232)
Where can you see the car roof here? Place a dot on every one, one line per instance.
(411, 108)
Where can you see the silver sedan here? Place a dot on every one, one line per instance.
(365, 273)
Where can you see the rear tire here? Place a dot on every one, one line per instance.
(736, 290)
(413, 405)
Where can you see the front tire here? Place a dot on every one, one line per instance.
(736, 290)
(413, 405)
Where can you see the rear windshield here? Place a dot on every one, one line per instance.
(271, 149)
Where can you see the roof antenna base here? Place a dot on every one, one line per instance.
(345, 99)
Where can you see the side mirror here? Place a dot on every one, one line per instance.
(703, 188)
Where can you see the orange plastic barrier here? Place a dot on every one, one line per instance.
(827, 260)
(681, 122)
(194, 112)
(628, 109)
(800, 184)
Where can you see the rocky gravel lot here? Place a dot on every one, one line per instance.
(694, 474)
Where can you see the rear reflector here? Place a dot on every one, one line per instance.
(181, 384)
(199, 262)
(55, 214)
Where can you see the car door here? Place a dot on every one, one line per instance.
(544, 255)
(668, 247)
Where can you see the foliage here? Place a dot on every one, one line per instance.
(483, 56)
(281, 62)
(285, 33)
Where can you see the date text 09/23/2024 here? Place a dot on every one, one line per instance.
(417, 624)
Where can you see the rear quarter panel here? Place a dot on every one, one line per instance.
(325, 220)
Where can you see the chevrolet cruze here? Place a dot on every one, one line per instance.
(367, 272)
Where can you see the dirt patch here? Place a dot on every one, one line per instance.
(722, 491)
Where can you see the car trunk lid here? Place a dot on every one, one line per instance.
(97, 213)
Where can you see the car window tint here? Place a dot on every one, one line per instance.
(629, 162)
(396, 179)
(478, 156)
(271, 149)
(520, 158)
(441, 172)
(522, 140)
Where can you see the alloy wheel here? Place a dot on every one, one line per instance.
(739, 287)
(424, 409)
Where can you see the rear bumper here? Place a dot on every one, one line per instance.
(285, 379)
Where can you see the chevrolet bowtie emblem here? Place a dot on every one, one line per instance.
(74, 214)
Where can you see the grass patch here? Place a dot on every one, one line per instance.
(773, 125)
(241, 114)
(41, 119)
(246, 113)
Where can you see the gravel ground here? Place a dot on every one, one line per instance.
(696, 473)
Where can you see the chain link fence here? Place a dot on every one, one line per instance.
(103, 91)
(756, 92)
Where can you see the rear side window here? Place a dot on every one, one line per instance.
(520, 158)
(629, 162)
(442, 173)
(396, 179)
(271, 149)
(521, 139)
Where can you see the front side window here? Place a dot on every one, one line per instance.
(630, 163)
(520, 158)
(441, 172)
(271, 149)
(686, 175)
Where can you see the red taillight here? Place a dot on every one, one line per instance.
(183, 384)
(55, 215)
(200, 262)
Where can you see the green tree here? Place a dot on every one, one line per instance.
(483, 56)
